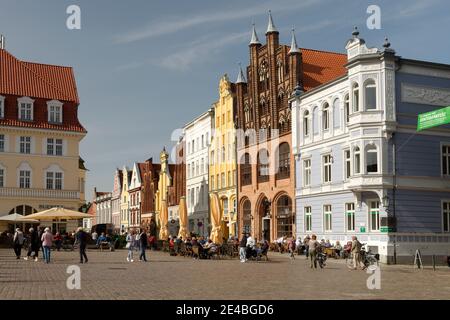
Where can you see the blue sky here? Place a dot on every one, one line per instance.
(145, 68)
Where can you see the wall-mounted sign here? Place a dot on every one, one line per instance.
(433, 119)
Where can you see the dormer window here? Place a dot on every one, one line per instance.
(54, 109)
(2, 107)
(25, 109)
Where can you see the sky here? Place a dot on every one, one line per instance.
(145, 68)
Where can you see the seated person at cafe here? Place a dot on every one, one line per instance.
(338, 248)
(280, 242)
(251, 247)
(263, 248)
(101, 239)
(210, 248)
(328, 244)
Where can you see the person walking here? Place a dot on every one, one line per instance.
(94, 236)
(130, 245)
(291, 248)
(243, 248)
(143, 241)
(18, 242)
(306, 243)
(356, 249)
(35, 244)
(47, 241)
(313, 248)
(82, 238)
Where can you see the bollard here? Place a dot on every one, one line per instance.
(433, 258)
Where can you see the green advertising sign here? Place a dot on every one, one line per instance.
(433, 119)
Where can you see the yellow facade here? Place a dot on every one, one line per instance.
(36, 195)
(165, 181)
(222, 157)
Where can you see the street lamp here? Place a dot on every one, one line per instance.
(386, 201)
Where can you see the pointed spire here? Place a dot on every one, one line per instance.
(241, 77)
(271, 27)
(294, 47)
(254, 39)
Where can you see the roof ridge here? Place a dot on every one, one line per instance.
(46, 64)
(324, 51)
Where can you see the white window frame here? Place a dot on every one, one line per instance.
(348, 212)
(373, 149)
(371, 227)
(25, 143)
(356, 106)
(347, 108)
(25, 100)
(54, 146)
(326, 165)
(2, 107)
(372, 84)
(355, 167)
(24, 166)
(2, 176)
(307, 173)
(347, 160)
(306, 126)
(327, 227)
(326, 117)
(3, 142)
(308, 218)
(53, 170)
(444, 213)
(58, 108)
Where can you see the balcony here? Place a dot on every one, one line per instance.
(372, 116)
(39, 193)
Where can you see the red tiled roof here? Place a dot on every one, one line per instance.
(36, 80)
(320, 67)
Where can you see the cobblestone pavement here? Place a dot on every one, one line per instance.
(109, 276)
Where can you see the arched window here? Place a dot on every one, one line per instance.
(355, 97)
(370, 95)
(247, 215)
(284, 161)
(263, 165)
(357, 160)
(371, 159)
(246, 114)
(316, 120)
(54, 178)
(246, 170)
(326, 117)
(280, 71)
(347, 108)
(337, 113)
(212, 157)
(263, 109)
(306, 123)
(23, 210)
(285, 218)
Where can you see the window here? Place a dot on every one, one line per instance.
(212, 182)
(308, 219)
(54, 147)
(357, 162)
(25, 145)
(24, 179)
(284, 157)
(445, 160)
(202, 164)
(246, 170)
(54, 181)
(374, 215)
(355, 99)
(284, 217)
(372, 159)
(229, 179)
(337, 113)
(223, 154)
(347, 108)
(25, 111)
(347, 165)
(203, 141)
(54, 114)
(350, 216)
(306, 123)
(328, 224)
(212, 157)
(307, 172)
(446, 216)
(2, 178)
(2, 107)
(225, 206)
(222, 180)
(326, 117)
(370, 93)
(2, 143)
(197, 168)
(193, 169)
(247, 215)
(189, 170)
(263, 165)
(218, 181)
(327, 168)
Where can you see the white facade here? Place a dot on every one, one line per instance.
(198, 136)
(104, 208)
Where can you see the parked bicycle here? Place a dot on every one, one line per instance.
(366, 257)
(321, 259)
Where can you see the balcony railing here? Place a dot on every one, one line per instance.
(39, 193)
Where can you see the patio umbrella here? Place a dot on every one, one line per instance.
(17, 218)
(58, 214)
(216, 219)
(184, 232)
(163, 220)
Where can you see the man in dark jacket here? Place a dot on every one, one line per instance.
(35, 244)
(82, 239)
(143, 242)
(243, 248)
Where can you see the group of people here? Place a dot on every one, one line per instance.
(137, 241)
(249, 247)
(44, 239)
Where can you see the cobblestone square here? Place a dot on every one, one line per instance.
(109, 276)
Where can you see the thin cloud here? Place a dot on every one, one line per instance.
(164, 27)
(417, 8)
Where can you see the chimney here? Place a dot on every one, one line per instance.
(2, 42)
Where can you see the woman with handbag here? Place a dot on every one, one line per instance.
(130, 245)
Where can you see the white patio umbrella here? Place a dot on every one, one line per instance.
(58, 214)
(17, 218)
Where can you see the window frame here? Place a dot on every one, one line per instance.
(348, 212)
(445, 212)
(330, 215)
(370, 209)
(2, 107)
(326, 117)
(327, 172)
(355, 153)
(308, 218)
(356, 107)
(25, 146)
(372, 149)
(445, 155)
(25, 101)
(347, 164)
(307, 173)
(370, 84)
(57, 112)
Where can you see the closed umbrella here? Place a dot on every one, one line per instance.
(58, 214)
(183, 232)
(216, 219)
(163, 220)
(17, 218)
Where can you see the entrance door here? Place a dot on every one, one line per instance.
(266, 229)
